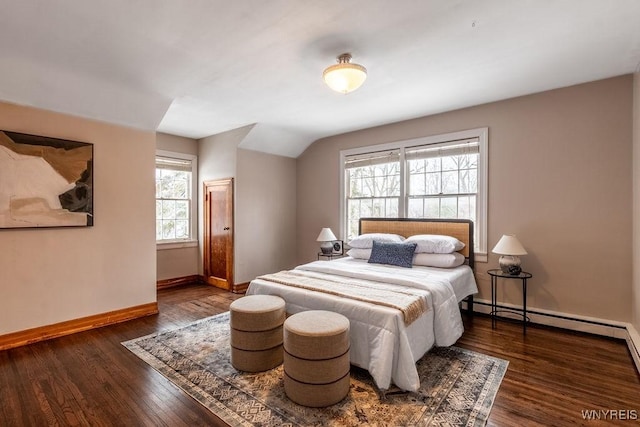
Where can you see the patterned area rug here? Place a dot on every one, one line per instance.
(458, 386)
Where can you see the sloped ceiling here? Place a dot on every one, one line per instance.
(201, 67)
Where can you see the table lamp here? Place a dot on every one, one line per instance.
(326, 237)
(509, 248)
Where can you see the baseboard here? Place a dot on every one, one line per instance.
(179, 281)
(592, 325)
(240, 288)
(42, 333)
(633, 341)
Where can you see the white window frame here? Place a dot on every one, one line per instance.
(193, 220)
(482, 134)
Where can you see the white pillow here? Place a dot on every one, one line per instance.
(365, 241)
(435, 244)
(439, 260)
(359, 253)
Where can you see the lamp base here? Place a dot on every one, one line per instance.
(326, 248)
(510, 264)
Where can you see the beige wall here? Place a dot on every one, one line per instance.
(265, 214)
(559, 178)
(177, 262)
(52, 275)
(636, 203)
(217, 160)
(264, 202)
(177, 144)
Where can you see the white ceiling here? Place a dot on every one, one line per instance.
(200, 67)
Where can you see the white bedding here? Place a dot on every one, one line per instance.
(380, 340)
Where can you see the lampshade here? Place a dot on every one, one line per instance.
(326, 235)
(344, 77)
(509, 245)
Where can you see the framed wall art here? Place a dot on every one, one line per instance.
(45, 182)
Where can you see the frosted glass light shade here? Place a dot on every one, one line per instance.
(344, 77)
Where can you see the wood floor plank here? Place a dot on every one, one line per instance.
(89, 378)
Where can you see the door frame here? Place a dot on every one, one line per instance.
(207, 237)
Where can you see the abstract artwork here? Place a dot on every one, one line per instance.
(45, 182)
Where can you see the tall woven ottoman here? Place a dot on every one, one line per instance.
(316, 358)
(256, 332)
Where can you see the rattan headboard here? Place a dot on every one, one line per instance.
(461, 229)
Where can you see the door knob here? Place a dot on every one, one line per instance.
(226, 228)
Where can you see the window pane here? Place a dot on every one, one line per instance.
(433, 183)
(182, 229)
(450, 182)
(158, 229)
(168, 209)
(449, 163)
(366, 208)
(463, 207)
(473, 180)
(448, 207)
(392, 208)
(472, 210)
(417, 166)
(180, 189)
(432, 208)
(463, 180)
(182, 209)
(352, 229)
(166, 188)
(168, 229)
(368, 188)
(433, 164)
(416, 208)
(417, 184)
(378, 208)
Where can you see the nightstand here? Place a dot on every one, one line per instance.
(523, 277)
(329, 257)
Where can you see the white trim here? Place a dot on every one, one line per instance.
(161, 246)
(483, 174)
(633, 341)
(194, 200)
(574, 322)
(480, 257)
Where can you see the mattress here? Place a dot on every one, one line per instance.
(381, 342)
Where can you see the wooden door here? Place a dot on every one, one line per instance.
(218, 233)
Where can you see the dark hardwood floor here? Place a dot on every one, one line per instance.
(90, 379)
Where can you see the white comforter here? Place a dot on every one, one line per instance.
(380, 340)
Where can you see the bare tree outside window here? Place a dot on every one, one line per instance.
(373, 191)
(430, 180)
(173, 199)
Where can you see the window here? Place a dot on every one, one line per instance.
(175, 206)
(443, 180)
(373, 183)
(441, 176)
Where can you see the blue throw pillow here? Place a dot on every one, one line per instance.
(400, 254)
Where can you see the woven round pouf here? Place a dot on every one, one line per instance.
(316, 358)
(256, 332)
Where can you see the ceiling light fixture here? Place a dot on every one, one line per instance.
(344, 77)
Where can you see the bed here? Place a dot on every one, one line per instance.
(383, 341)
